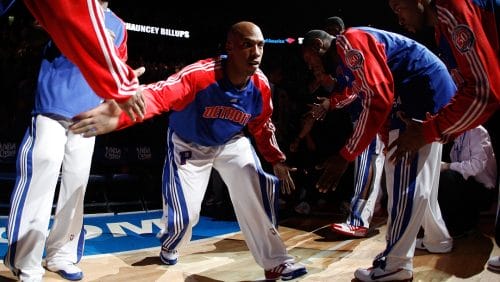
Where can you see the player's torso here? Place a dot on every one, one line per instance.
(218, 112)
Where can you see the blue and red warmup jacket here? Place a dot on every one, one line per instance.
(78, 30)
(61, 88)
(208, 110)
(467, 35)
(389, 73)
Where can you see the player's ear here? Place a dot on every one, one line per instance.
(229, 47)
(317, 44)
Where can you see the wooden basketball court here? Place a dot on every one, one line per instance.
(327, 256)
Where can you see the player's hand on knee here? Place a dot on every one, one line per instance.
(409, 141)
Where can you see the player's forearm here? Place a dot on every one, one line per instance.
(464, 112)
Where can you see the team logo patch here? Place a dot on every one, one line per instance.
(463, 38)
(354, 59)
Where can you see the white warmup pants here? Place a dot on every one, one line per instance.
(412, 202)
(368, 168)
(252, 191)
(47, 145)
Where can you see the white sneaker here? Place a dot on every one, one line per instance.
(420, 246)
(379, 274)
(67, 270)
(285, 271)
(169, 257)
(24, 278)
(494, 264)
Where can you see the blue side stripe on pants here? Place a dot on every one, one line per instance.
(24, 167)
(177, 211)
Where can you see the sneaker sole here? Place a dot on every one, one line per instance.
(70, 276)
(345, 233)
(168, 261)
(424, 248)
(294, 274)
(495, 269)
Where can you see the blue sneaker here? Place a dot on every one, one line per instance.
(67, 271)
(285, 271)
(169, 257)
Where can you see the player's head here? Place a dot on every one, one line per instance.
(334, 25)
(316, 45)
(244, 47)
(413, 15)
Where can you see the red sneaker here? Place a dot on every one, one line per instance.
(349, 230)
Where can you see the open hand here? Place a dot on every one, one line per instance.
(282, 171)
(101, 119)
(319, 110)
(334, 168)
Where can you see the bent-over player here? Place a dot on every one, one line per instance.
(389, 73)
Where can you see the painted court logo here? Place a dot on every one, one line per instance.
(112, 233)
(463, 38)
(354, 59)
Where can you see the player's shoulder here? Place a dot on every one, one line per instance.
(454, 6)
(201, 67)
(260, 77)
(261, 81)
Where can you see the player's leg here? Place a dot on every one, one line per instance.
(436, 239)
(185, 178)
(38, 165)
(362, 179)
(65, 243)
(377, 164)
(253, 194)
(410, 195)
(355, 225)
(407, 201)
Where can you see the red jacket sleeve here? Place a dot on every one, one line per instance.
(262, 128)
(174, 93)
(373, 81)
(471, 34)
(77, 28)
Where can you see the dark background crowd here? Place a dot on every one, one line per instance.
(127, 165)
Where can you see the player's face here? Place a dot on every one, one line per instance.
(247, 50)
(410, 14)
(312, 58)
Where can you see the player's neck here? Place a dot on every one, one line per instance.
(238, 79)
